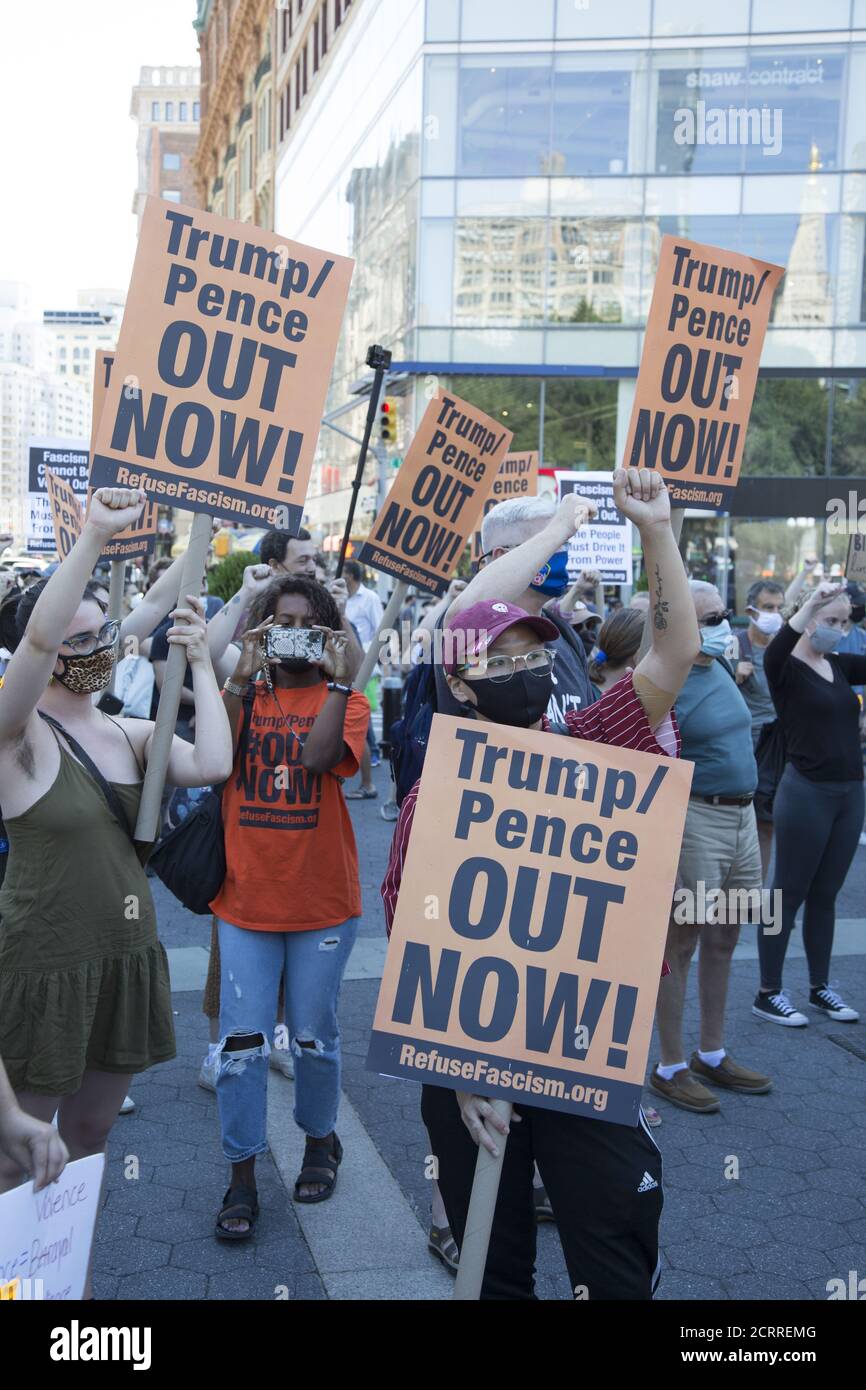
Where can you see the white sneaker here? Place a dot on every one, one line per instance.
(207, 1077)
(128, 1106)
(832, 1005)
(777, 1008)
(281, 1061)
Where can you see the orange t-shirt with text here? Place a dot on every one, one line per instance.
(292, 862)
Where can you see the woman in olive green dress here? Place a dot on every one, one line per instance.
(84, 990)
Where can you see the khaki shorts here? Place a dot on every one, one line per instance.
(720, 854)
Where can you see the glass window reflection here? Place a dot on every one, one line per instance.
(504, 117)
(588, 276)
(766, 112)
(516, 401)
(580, 423)
(499, 270)
(590, 120)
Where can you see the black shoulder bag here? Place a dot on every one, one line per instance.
(191, 859)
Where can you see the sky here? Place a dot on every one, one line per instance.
(67, 156)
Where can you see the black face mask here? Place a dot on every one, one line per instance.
(519, 702)
(587, 637)
(295, 666)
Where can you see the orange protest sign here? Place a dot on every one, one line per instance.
(432, 509)
(222, 368)
(137, 540)
(699, 368)
(518, 477)
(529, 934)
(65, 513)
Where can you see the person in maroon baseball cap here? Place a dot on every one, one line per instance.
(603, 1181)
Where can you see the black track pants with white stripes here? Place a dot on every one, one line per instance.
(604, 1182)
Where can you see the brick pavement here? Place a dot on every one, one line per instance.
(794, 1218)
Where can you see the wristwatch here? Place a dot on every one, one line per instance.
(231, 689)
(340, 689)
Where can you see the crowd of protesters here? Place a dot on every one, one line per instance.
(769, 713)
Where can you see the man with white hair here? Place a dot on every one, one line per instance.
(525, 562)
(720, 876)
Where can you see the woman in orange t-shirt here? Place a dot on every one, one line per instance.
(291, 899)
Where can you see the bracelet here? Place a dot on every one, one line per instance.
(340, 689)
(231, 689)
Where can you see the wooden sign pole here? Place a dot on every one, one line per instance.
(389, 620)
(147, 826)
(479, 1221)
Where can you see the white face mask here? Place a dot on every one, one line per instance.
(768, 623)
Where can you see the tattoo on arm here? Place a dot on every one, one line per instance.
(661, 608)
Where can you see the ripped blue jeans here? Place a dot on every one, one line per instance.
(312, 964)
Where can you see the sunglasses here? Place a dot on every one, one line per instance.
(715, 619)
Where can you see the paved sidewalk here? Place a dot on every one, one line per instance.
(793, 1218)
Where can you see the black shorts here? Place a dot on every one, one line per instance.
(604, 1182)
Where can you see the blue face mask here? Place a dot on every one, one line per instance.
(715, 640)
(552, 580)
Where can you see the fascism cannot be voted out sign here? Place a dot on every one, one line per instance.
(431, 511)
(529, 934)
(65, 513)
(518, 477)
(68, 459)
(699, 368)
(45, 1237)
(140, 538)
(222, 368)
(604, 544)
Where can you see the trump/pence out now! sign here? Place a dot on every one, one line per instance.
(528, 939)
(222, 367)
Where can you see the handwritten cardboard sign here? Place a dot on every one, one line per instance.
(528, 938)
(65, 513)
(432, 509)
(45, 1237)
(605, 544)
(855, 565)
(140, 538)
(699, 368)
(222, 367)
(518, 477)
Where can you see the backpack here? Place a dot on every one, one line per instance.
(409, 735)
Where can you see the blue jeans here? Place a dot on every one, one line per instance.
(252, 962)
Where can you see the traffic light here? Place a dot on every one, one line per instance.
(388, 421)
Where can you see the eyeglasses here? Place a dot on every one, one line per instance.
(86, 643)
(714, 619)
(485, 558)
(501, 668)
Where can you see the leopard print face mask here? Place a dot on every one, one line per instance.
(86, 675)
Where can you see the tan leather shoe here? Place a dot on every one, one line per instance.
(731, 1076)
(686, 1091)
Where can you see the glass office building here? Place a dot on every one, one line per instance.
(503, 174)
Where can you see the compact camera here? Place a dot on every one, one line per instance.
(294, 644)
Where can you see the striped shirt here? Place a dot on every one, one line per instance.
(618, 719)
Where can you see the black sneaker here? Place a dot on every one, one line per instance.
(777, 1008)
(832, 1004)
